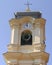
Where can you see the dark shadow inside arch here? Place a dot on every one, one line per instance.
(26, 38)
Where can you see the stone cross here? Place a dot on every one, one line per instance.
(28, 5)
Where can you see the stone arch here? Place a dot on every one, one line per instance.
(26, 37)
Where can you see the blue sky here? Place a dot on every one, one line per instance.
(7, 9)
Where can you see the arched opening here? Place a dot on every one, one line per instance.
(26, 37)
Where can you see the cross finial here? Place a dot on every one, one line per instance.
(28, 8)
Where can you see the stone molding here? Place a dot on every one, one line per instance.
(27, 56)
(19, 22)
(18, 48)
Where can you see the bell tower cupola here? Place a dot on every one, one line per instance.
(27, 44)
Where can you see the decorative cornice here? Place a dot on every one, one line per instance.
(18, 22)
(27, 56)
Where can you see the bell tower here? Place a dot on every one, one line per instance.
(27, 45)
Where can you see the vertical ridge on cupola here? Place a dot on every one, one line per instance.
(27, 44)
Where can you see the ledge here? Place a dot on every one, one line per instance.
(27, 56)
(23, 48)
